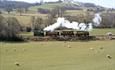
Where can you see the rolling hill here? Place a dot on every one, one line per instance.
(68, 6)
(14, 4)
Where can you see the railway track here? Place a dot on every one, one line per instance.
(59, 38)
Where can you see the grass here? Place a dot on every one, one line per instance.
(103, 31)
(48, 6)
(25, 19)
(57, 56)
(27, 34)
(74, 12)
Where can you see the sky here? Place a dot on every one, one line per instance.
(104, 3)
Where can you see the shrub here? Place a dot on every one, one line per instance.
(9, 29)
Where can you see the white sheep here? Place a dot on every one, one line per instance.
(69, 46)
(108, 56)
(17, 63)
(91, 48)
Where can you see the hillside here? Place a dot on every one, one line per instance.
(14, 4)
(50, 5)
(68, 6)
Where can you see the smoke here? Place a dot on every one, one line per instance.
(90, 27)
(97, 19)
(62, 22)
(55, 25)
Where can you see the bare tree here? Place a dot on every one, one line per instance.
(57, 12)
(9, 28)
(108, 20)
(2, 26)
(20, 10)
(13, 26)
(0, 12)
(37, 23)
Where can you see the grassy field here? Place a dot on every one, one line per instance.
(57, 56)
(103, 31)
(47, 6)
(50, 6)
(25, 19)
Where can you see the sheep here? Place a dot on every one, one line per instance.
(68, 46)
(17, 63)
(91, 48)
(108, 56)
(101, 48)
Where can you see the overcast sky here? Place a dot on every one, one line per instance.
(105, 3)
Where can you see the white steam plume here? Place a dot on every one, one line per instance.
(55, 25)
(90, 27)
(97, 19)
(61, 22)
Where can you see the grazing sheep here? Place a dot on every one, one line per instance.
(68, 46)
(101, 48)
(17, 63)
(108, 56)
(91, 48)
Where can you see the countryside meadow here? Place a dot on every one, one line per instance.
(58, 35)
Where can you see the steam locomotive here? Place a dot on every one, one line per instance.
(63, 34)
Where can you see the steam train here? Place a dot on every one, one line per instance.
(63, 34)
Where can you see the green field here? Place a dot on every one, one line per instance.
(56, 55)
(47, 6)
(103, 31)
(25, 19)
(50, 6)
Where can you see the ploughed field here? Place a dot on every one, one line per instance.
(58, 55)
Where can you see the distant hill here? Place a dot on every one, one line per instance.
(14, 4)
(50, 5)
(68, 6)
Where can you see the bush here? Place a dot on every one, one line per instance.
(13, 38)
(108, 20)
(57, 12)
(43, 11)
(28, 29)
(0, 12)
(79, 18)
(9, 29)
